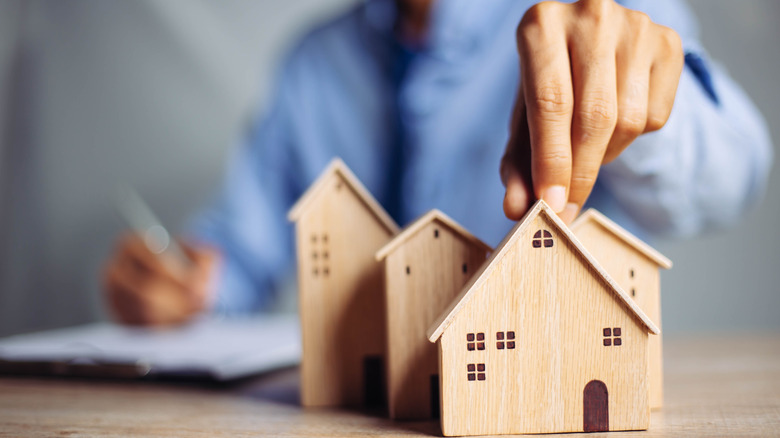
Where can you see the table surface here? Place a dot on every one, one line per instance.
(727, 386)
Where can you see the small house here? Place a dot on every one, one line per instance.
(635, 266)
(542, 340)
(339, 227)
(426, 265)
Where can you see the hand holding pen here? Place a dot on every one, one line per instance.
(152, 279)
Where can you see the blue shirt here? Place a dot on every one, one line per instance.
(427, 128)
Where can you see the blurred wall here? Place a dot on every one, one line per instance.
(155, 93)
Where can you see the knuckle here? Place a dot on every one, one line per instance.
(554, 160)
(670, 41)
(552, 99)
(656, 121)
(537, 19)
(631, 123)
(598, 112)
(638, 20)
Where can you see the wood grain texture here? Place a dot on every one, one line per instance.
(426, 266)
(720, 385)
(341, 290)
(570, 328)
(635, 266)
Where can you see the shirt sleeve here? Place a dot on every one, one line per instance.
(711, 161)
(247, 222)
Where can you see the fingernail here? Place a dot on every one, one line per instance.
(555, 197)
(570, 212)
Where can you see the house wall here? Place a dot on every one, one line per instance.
(557, 307)
(620, 259)
(414, 300)
(341, 295)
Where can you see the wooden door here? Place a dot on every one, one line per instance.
(596, 407)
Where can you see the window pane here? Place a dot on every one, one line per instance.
(607, 342)
(470, 367)
(470, 337)
(616, 331)
(538, 234)
(480, 336)
(510, 345)
(470, 346)
(607, 332)
(548, 243)
(537, 243)
(499, 335)
(500, 345)
(481, 376)
(510, 335)
(472, 377)
(480, 367)
(618, 341)
(480, 345)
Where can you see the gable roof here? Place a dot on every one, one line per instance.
(541, 207)
(337, 167)
(622, 234)
(432, 216)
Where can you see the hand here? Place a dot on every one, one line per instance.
(143, 288)
(594, 76)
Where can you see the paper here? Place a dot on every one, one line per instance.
(222, 349)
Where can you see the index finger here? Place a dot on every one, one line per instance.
(547, 85)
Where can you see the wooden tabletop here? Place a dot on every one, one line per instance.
(726, 386)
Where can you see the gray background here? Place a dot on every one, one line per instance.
(156, 93)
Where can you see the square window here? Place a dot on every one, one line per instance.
(618, 342)
(510, 335)
(607, 342)
(510, 345)
(607, 332)
(500, 345)
(500, 336)
(471, 367)
(470, 337)
(480, 336)
(480, 345)
(616, 331)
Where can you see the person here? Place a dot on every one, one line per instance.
(613, 105)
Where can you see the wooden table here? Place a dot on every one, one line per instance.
(714, 387)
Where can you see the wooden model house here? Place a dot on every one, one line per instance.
(426, 265)
(634, 265)
(339, 228)
(542, 340)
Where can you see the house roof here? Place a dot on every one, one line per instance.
(337, 167)
(622, 234)
(432, 216)
(468, 291)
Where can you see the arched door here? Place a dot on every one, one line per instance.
(596, 407)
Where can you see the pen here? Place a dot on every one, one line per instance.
(140, 217)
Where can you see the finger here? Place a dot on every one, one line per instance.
(546, 80)
(595, 114)
(515, 164)
(664, 78)
(633, 84)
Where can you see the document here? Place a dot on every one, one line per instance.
(213, 348)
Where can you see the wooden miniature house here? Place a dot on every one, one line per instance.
(634, 265)
(339, 227)
(426, 265)
(542, 340)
